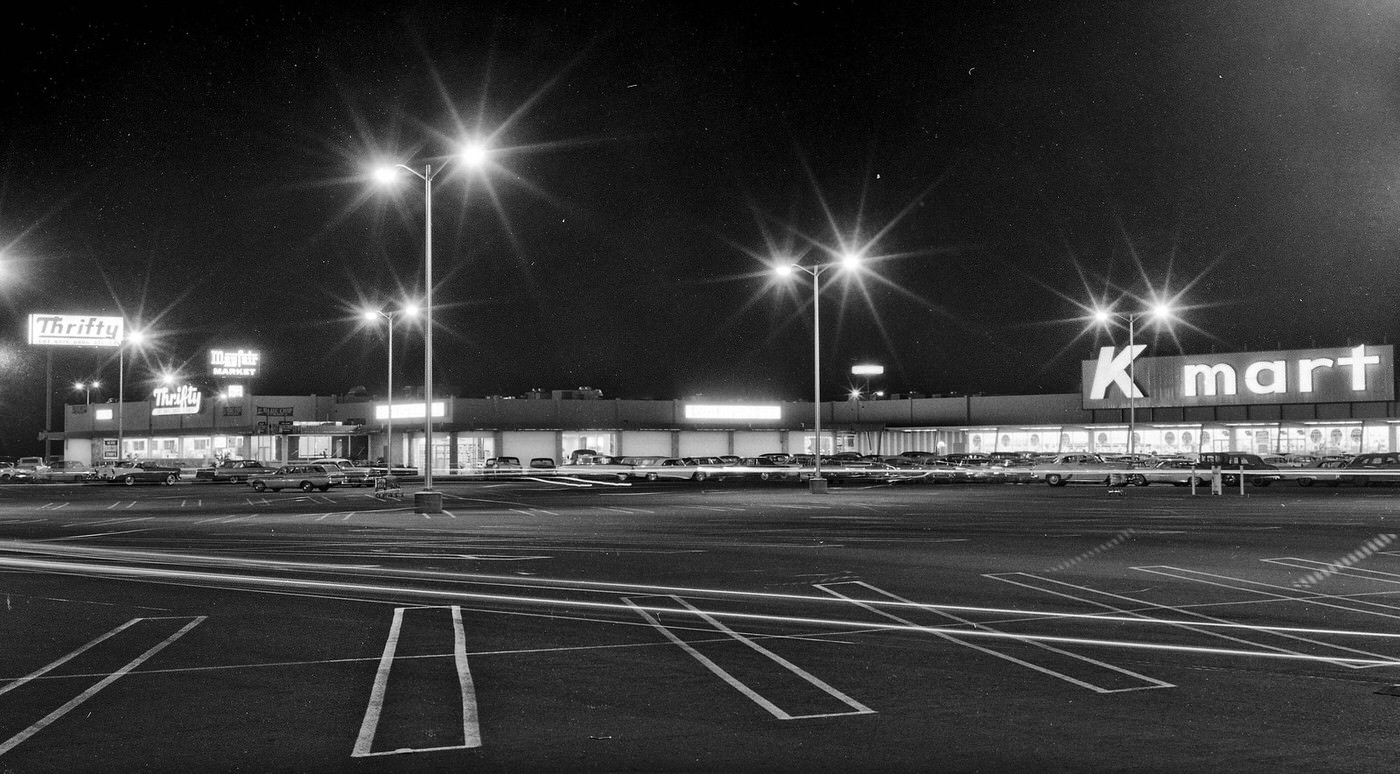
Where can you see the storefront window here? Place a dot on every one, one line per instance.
(473, 451)
(598, 441)
(442, 452)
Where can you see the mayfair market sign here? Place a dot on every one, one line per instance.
(243, 362)
(1337, 375)
(75, 330)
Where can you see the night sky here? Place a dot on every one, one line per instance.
(1000, 166)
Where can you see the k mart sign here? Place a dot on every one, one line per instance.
(1341, 375)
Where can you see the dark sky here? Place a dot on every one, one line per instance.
(1000, 165)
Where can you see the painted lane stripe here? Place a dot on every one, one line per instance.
(1212, 626)
(1124, 679)
(76, 701)
(734, 682)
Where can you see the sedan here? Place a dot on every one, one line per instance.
(1174, 472)
(69, 471)
(303, 477)
(139, 472)
(234, 471)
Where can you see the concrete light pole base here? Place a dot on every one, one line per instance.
(816, 485)
(427, 502)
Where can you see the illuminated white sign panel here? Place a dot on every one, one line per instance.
(867, 370)
(409, 410)
(75, 330)
(240, 363)
(103, 414)
(703, 412)
(1340, 375)
(168, 401)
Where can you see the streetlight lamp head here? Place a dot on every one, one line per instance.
(136, 337)
(850, 260)
(79, 386)
(371, 315)
(410, 310)
(387, 174)
(1102, 316)
(474, 153)
(784, 269)
(1161, 311)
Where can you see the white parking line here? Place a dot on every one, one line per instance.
(1211, 626)
(73, 703)
(471, 727)
(1135, 681)
(734, 682)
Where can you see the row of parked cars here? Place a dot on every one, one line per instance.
(1184, 470)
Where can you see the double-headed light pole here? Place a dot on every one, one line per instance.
(373, 315)
(1159, 312)
(849, 262)
(473, 155)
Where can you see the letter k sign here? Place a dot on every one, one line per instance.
(1114, 370)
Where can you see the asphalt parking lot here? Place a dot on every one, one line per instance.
(685, 627)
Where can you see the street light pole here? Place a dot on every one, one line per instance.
(817, 484)
(1160, 311)
(390, 316)
(1132, 393)
(428, 501)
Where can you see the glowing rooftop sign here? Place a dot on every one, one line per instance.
(409, 410)
(75, 330)
(184, 399)
(702, 412)
(1339, 375)
(243, 362)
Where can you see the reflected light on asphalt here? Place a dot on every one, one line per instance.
(103, 566)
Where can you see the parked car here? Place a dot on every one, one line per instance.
(1311, 475)
(24, 469)
(1386, 465)
(1237, 462)
(760, 469)
(356, 473)
(1174, 472)
(596, 466)
(305, 477)
(131, 472)
(1077, 466)
(69, 471)
(501, 467)
(542, 463)
(230, 471)
(657, 468)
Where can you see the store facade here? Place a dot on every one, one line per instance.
(1317, 401)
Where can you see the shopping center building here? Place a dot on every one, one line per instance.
(1338, 400)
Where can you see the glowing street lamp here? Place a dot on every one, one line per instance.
(87, 388)
(1159, 312)
(851, 262)
(373, 315)
(134, 338)
(474, 155)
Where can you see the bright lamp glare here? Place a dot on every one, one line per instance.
(1161, 311)
(850, 260)
(386, 175)
(783, 269)
(474, 154)
(371, 315)
(1101, 315)
(410, 310)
